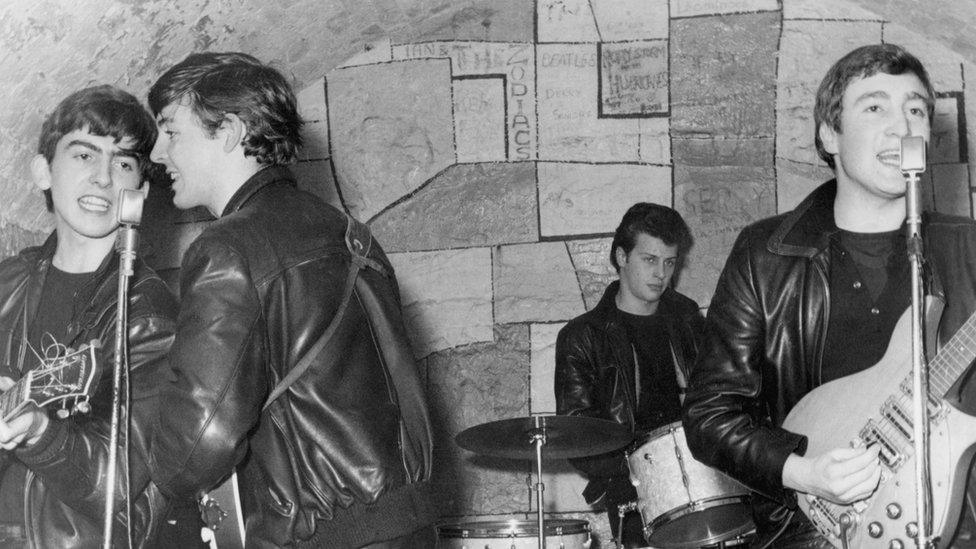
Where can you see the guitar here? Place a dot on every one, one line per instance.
(222, 515)
(874, 406)
(67, 379)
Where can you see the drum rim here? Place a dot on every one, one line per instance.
(502, 529)
(643, 438)
(695, 507)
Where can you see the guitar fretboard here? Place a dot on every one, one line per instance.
(953, 359)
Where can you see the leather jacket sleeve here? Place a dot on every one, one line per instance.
(215, 394)
(576, 381)
(725, 417)
(72, 455)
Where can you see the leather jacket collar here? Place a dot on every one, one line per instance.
(806, 231)
(254, 184)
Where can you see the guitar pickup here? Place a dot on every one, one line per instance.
(889, 454)
(935, 406)
(896, 416)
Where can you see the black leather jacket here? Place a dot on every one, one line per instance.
(344, 450)
(766, 328)
(66, 467)
(595, 376)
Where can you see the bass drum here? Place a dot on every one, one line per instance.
(684, 503)
(514, 534)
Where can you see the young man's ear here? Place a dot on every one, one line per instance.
(234, 131)
(828, 137)
(41, 172)
(621, 256)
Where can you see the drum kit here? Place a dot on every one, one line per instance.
(683, 503)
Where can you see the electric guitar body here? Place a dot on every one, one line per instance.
(874, 406)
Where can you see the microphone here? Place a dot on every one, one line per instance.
(913, 164)
(130, 215)
(912, 154)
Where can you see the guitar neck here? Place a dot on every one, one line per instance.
(952, 360)
(14, 398)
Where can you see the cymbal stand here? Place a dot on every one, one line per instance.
(539, 439)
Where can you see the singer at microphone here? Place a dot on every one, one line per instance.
(61, 296)
(817, 295)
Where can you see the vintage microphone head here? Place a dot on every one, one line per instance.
(130, 215)
(913, 164)
(912, 154)
(130, 206)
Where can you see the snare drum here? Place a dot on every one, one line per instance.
(684, 503)
(514, 534)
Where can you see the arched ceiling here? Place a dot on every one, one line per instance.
(49, 48)
(949, 22)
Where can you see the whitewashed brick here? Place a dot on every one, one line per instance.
(943, 64)
(543, 367)
(631, 19)
(945, 140)
(592, 198)
(690, 8)
(794, 181)
(826, 10)
(377, 51)
(565, 21)
(591, 257)
(655, 140)
(479, 119)
(516, 61)
(808, 49)
(535, 283)
(446, 297)
(388, 142)
(567, 102)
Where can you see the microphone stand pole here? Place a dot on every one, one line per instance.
(130, 213)
(913, 163)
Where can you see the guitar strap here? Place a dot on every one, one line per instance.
(356, 234)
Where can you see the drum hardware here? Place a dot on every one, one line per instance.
(622, 511)
(536, 437)
(513, 534)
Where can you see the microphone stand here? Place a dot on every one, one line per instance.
(130, 213)
(912, 164)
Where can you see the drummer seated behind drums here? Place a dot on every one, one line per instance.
(626, 359)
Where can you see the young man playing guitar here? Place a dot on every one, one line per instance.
(814, 294)
(63, 295)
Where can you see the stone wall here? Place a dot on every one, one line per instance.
(494, 173)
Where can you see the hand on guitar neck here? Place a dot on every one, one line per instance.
(24, 426)
(66, 379)
(842, 475)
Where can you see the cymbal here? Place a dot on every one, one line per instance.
(564, 437)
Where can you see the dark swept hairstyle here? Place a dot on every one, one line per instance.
(861, 63)
(104, 111)
(214, 85)
(653, 220)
